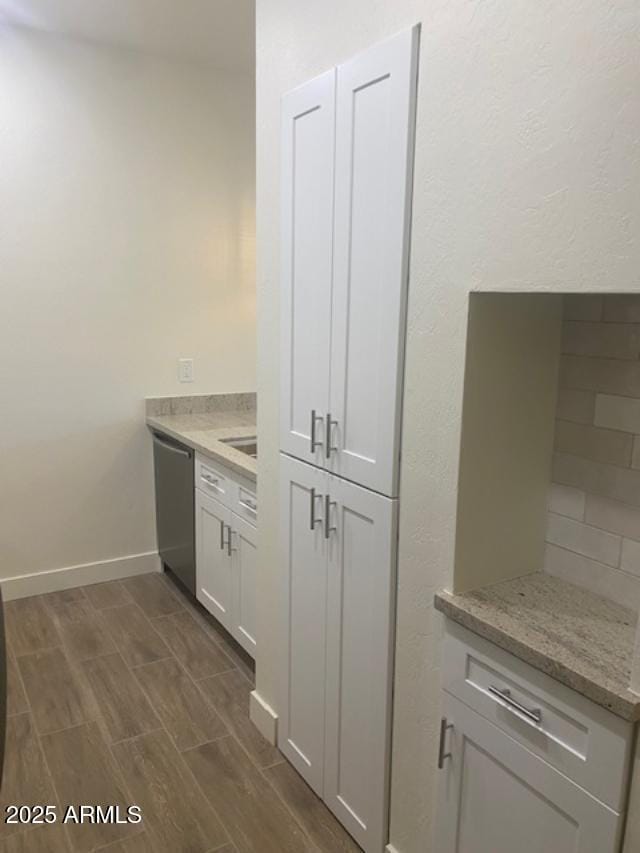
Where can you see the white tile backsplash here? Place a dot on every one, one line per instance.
(593, 527)
(630, 557)
(583, 539)
(614, 584)
(576, 406)
(620, 413)
(590, 442)
(613, 516)
(619, 484)
(604, 340)
(600, 374)
(620, 308)
(565, 500)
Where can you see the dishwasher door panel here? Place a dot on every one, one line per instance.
(175, 514)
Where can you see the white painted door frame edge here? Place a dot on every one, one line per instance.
(263, 717)
(53, 580)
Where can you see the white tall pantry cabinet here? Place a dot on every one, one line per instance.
(347, 152)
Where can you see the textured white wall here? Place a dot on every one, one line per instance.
(127, 239)
(527, 175)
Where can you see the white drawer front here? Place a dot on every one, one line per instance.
(214, 481)
(246, 505)
(587, 743)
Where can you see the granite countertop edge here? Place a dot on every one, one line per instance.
(214, 448)
(624, 703)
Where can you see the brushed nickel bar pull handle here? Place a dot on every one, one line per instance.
(312, 518)
(328, 503)
(329, 424)
(442, 755)
(229, 548)
(314, 442)
(248, 505)
(533, 715)
(222, 535)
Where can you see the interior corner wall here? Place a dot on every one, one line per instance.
(526, 176)
(508, 421)
(127, 240)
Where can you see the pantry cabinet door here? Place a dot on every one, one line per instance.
(214, 576)
(308, 127)
(375, 110)
(304, 597)
(360, 643)
(244, 567)
(497, 797)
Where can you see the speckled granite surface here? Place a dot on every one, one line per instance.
(576, 637)
(203, 429)
(201, 404)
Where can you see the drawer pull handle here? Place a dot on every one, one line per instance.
(212, 481)
(442, 755)
(532, 714)
(249, 505)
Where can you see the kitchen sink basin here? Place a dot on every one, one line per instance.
(248, 445)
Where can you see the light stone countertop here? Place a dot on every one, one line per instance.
(582, 640)
(204, 430)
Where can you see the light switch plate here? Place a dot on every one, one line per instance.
(185, 369)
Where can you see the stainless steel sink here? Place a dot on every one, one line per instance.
(248, 445)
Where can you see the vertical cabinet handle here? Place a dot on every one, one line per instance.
(328, 503)
(330, 423)
(442, 755)
(226, 544)
(314, 442)
(312, 516)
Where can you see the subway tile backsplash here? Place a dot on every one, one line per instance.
(593, 528)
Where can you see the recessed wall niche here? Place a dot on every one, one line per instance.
(550, 448)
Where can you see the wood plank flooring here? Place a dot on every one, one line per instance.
(129, 693)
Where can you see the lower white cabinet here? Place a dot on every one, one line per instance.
(244, 549)
(226, 547)
(517, 752)
(498, 797)
(214, 580)
(339, 554)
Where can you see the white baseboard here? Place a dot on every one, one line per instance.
(263, 717)
(53, 580)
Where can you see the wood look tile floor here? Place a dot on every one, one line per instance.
(129, 693)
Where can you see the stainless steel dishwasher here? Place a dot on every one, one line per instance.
(175, 510)
(3, 689)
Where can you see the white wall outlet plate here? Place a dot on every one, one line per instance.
(185, 369)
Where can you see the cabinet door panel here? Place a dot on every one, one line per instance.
(244, 574)
(497, 797)
(308, 127)
(374, 155)
(360, 626)
(304, 561)
(214, 578)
